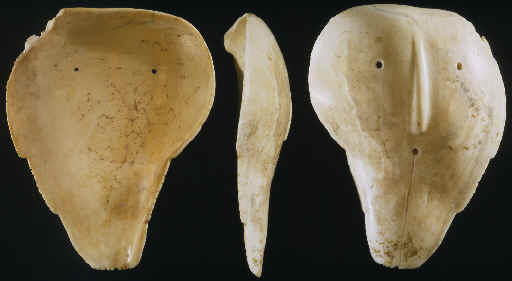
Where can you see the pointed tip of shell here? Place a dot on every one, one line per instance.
(255, 265)
(254, 251)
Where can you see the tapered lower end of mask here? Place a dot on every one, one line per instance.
(410, 242)
(391, 257)
(121, 259)
(109, 229)
(401, 257)
(395, 248)
(254, 248)
(104, 251)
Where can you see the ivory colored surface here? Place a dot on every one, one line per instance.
(99, 105)
(265, 116)
(416, 99)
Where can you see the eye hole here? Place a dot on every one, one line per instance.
(459, 66)
(379, 64)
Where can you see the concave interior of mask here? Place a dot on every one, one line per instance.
(99, 105)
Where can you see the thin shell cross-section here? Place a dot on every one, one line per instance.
(264, 122)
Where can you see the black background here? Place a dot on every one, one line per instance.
(316, 226)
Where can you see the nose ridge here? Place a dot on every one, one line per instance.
(421, 90)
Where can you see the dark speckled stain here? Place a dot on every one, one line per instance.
(410, 248)
(395, 245)
(390, 248)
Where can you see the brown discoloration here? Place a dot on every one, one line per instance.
(100, 129)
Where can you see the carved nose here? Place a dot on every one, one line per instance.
(420, 105)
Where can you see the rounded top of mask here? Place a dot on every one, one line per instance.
(403, 65)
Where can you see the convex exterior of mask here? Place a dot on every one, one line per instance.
(416, 99)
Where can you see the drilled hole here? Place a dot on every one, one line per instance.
(76, 69)
(415, 151)
(153, 71)
(379, 64)
(459, 66)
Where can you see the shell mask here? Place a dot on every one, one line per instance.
(419, 109)
(265, 116)
(99, 105)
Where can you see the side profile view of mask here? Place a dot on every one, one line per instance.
(99, 105)
(416, 99)
(265, 115)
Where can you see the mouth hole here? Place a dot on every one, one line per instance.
(415, 151)
(379, 64)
